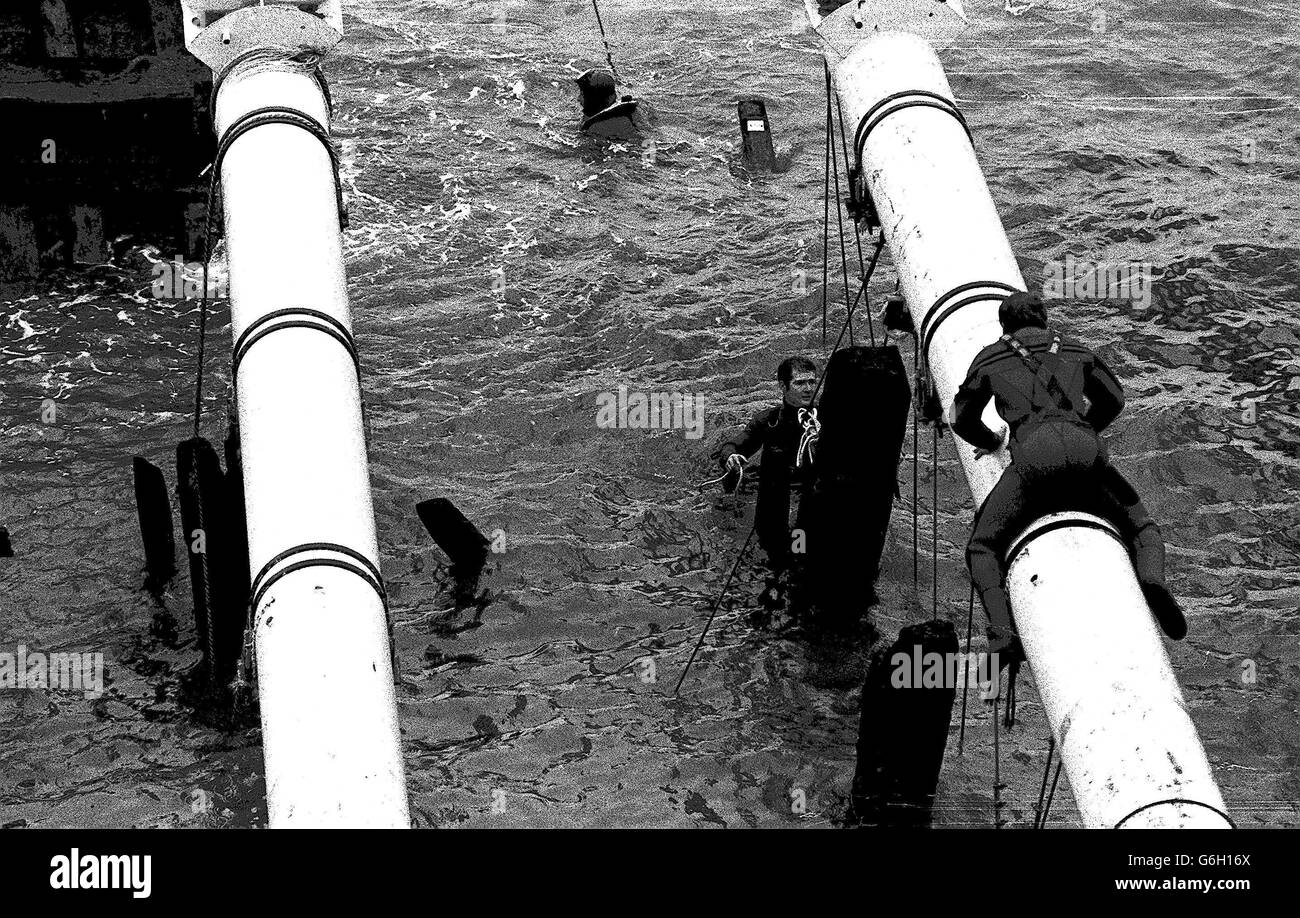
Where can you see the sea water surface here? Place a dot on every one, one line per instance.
(506, 270)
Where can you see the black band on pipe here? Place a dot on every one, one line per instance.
(270, 54)
(914, 98)
(317, 546)
(259, 330)
(1073, 522)
(366, 570)
(942, 308)
(279, 114)
(1147, 806)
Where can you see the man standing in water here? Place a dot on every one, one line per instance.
(1056, 396)
(779, 432)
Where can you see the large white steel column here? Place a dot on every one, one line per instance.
(325, 680)
(1131, 752)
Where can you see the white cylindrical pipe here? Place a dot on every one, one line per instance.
(1110, 695)
(325, 681)
(1131, 751)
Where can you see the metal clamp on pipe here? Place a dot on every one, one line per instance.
(218, 31)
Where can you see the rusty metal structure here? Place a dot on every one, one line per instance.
(106, 131)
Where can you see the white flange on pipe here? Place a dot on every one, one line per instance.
(1128, 745)
(325, 680)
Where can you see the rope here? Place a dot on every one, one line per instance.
(1043, 789)
(608, 56)
(998, 786)
(839, 218)
(194, 480)
(717, 603)
(722, 477)
(203, 326)
(1050, 794)
(934, 524)
(857, 233)
(812, 429)
(965, 683)
(826, 209)
(866, 278)
(1012, 671)
(916, 465)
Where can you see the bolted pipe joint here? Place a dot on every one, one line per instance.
(219, 31)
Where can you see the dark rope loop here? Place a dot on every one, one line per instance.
(317, 546)
(1072, 523)
(1147, 806)
(279, 114)
(304, 59)
(914, 98)
(258, 330)
(943, 309)
(366, 569)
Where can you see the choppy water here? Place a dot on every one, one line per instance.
(675, 275)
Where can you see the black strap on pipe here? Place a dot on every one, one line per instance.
(908, 98)
(258, 330)
(1147, 806)
(261, 117)
(271, 54)
(1072, 523)
(365, 569)
(944, 307)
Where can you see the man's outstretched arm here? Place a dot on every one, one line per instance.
(1105, 395)
(968, 408)
(747, 443)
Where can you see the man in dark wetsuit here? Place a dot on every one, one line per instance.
(1056, 396)
(778, 432)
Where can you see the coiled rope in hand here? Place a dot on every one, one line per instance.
(812, 429)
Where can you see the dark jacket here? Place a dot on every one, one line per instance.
(776, 432)
(998, 372)
(777, 428)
